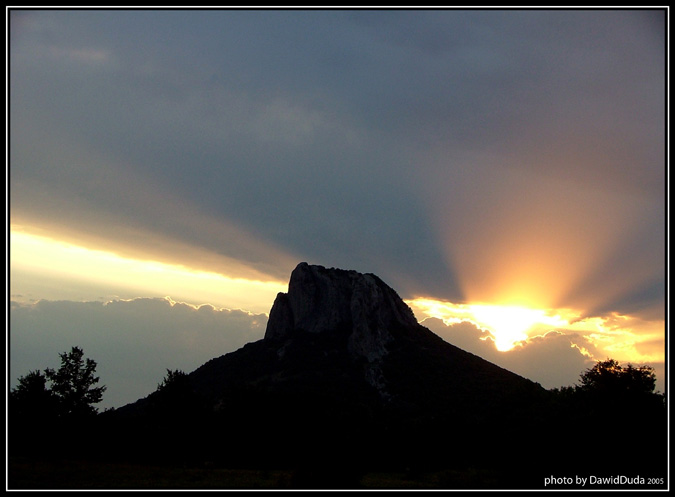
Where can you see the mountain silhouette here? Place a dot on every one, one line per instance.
(345, 375)
(346, 385)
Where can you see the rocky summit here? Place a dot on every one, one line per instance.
(321, 300)
(379, 332)
(360, 307)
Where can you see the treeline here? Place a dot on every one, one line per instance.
(613, 420)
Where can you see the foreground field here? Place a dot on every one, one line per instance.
(39, 475)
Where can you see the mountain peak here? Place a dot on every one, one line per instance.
(344, 363)
(330, 300)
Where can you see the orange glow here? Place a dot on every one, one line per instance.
(533, 253)
(543, 247)
(507, 324)
(624, 338)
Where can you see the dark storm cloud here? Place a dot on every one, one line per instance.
(334, 136)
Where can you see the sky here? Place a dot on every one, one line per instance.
(503, 170)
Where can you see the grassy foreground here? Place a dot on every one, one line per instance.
(77, 474)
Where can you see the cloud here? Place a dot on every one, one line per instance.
(554, 359)
(132, 341)
(444, 150)
(549, 360)
(135, 341)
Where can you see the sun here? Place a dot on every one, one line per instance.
(508, 324)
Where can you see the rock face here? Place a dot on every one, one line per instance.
(321, 300)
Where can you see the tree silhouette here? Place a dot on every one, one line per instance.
(174, 380)
(31, 400)
(175, 398)
(611, 402)
(46, 408)
(610, 384)
(73, 384)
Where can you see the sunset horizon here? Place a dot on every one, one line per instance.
(498, 328)
(503, 170)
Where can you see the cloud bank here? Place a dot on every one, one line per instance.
(554, 359)
(133, 342)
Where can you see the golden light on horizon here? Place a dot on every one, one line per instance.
(42, 255)
(509, 324)
(538, 262)
(622, 337)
